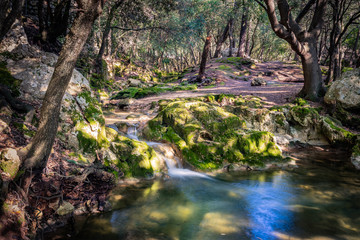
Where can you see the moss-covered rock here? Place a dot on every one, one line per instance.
(134, 158)
(9, 164)
(209, 136)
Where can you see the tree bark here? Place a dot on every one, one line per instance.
(36, 153)
(242, 39)
(313, 84)
(204, 58)
(7, 18)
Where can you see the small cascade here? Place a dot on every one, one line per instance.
(132, 133)
(167, 153)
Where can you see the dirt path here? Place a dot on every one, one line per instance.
(282, 85)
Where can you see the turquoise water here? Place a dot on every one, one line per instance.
(311, 202)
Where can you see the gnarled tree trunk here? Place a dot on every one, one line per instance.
(303, 42)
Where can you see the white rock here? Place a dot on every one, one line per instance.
(345, 91)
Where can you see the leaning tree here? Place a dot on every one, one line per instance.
(37, 152)
(302, 41)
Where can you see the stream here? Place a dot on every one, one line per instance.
(314, 201)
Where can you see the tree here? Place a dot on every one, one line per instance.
(104, 42)
(244, 25)
(303, 42)
(53, 20)
(36, 153)
(342, 11)
(204, 57)
(227, 30)
(10, 10)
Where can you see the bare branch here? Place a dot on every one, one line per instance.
(140, 29)
(304, 11)
(261, 4)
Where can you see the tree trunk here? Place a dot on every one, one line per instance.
(59, 20)
(242, 39)
(204, 58)
(354, 54)
(313, 84)
(105, 37)
(7, 19)
(222, 39)
(253, 37)
(37, 152)
(231, 38)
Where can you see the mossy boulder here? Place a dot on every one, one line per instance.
(133, 158)
(9, 164)
(208, 136)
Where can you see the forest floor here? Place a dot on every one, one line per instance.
(284, 81)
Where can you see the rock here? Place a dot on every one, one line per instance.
(65, 208)
(209, 136)
(225, 53)
(5, 117)
(123, 103)
(258, 82)
(355, 157)
(355, 160)
(134, 82)
(36, 75)
(345, 91)
(16, 45)
(122, 127)
(9, 164)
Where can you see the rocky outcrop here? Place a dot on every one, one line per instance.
(345, 92)
(210, 137)
(216, 130)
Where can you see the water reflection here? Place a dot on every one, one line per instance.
(312, 203)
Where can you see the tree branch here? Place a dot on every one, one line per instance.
(304, 11)
(261, 4)
(139, 29)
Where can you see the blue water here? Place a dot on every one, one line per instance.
(312, 203)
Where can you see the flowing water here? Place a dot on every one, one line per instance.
(315, 201)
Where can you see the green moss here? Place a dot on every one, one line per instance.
(8, 80)
(304, 115)
(300, 102)
(334, 126)
(136, 159)
(224, 67)
(93, 112)
(208, 136)
(87, 139)
(133, 92)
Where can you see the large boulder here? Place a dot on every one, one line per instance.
(35, 75)
(345, 92)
